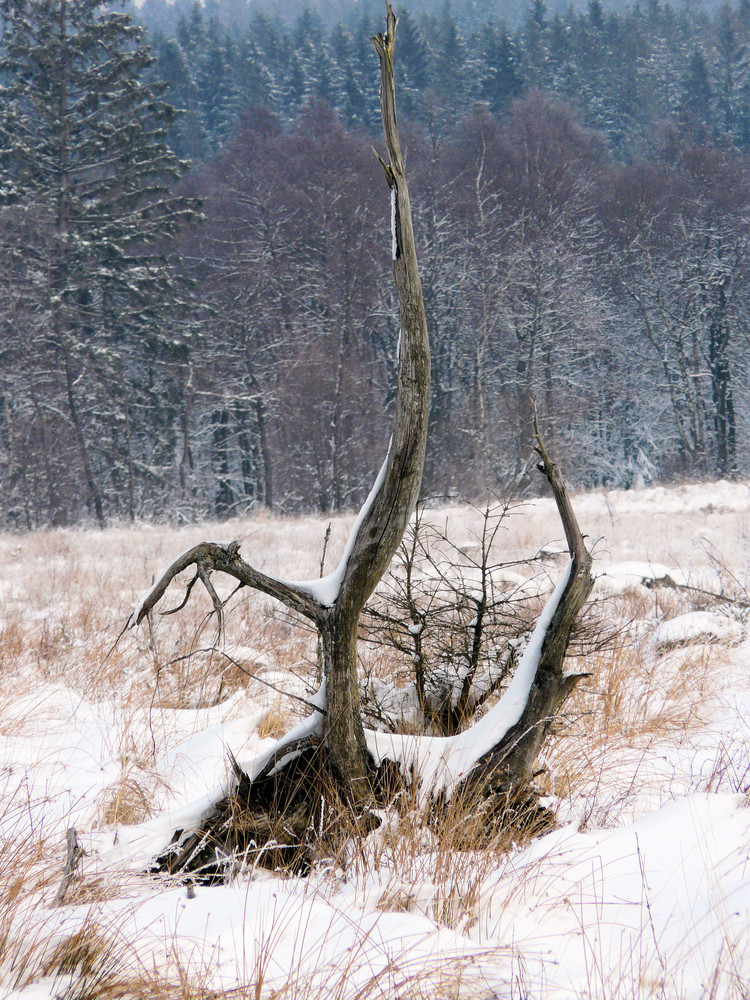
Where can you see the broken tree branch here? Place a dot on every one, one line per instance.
(222, 557)
(509, 765)
(75, 853)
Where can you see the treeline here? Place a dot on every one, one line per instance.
(615, 295)
(154, 365)
(623, 72)
(165, 15)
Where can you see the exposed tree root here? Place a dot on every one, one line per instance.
(285, 821)
(279, 821)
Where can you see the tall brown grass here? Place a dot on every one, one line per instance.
(65, 598)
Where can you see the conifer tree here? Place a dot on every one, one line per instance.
(82, 150)
(187, 135)
(415, 63)
(499, 75)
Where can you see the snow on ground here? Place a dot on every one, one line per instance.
(643, 889)
(698, 626)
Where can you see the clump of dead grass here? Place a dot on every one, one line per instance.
(635, 698)
(276, 721)
(129, 802)
(84, 966)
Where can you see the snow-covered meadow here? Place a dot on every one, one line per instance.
(642, 889)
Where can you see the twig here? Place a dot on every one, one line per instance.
(647, 900)
(205, 578)
(181, 605)
(325, 548)
(248, 673)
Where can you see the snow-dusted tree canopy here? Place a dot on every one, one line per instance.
(87, 223)
(581, 183)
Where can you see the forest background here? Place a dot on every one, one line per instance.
(197, 312)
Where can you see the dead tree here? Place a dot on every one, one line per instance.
(501, 748)
(335, 605)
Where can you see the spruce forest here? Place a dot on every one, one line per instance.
(197, 306)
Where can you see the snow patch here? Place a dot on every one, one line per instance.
(698, 626)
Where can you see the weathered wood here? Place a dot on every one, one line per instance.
(385, 519)
(209, 557)
(510, 764)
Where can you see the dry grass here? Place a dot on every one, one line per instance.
(276, 721)
(128, 803)
(66, 594)
(634, 701)
(84, 964)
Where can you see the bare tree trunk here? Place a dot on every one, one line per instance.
(259, 407)
(186, 459)
(386, 514)
(509, 764)
(75, 418)
(224, 499)
(57, 513)
(265, 452)
(131, 475)
(721, 387)
(382, 521)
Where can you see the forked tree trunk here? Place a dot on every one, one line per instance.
(501, 749)
(382, 521)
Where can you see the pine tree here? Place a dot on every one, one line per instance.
(82, 151)
(214, 84)
(500, 78)
(451, 61)
(187, 135)
(415, 64)
(255, 85)
(697, 96)
(534, 34)
(733, 72)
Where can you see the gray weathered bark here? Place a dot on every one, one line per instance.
(509, 765)
(383, 520)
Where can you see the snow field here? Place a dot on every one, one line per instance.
(642, 891)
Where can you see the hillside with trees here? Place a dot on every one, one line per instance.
(580, 184)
